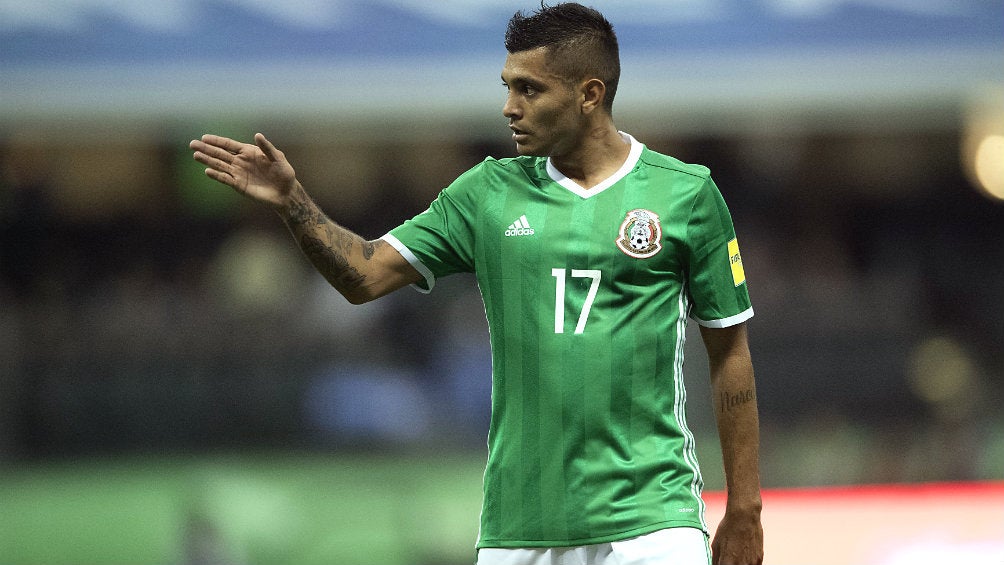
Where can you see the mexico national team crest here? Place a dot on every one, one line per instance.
(641, 234)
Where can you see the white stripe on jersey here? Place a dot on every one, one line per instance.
(679, 408)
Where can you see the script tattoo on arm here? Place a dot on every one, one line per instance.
(735, 400)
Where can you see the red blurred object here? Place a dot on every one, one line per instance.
(942, 523)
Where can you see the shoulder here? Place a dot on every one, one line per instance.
(687, 182)
(501, 173)
(531, 167)
(666, 164)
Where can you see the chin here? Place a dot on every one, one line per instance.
(530, 151)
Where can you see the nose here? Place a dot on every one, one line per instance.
(510, 109)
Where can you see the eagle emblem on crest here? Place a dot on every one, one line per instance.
(640, 235)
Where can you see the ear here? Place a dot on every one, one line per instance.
(593, 92)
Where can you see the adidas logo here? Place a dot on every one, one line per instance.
(519, 227)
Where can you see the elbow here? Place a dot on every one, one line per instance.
(358, 297)
(362, 294)
(363, 289)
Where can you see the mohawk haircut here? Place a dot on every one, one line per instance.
(580, 41)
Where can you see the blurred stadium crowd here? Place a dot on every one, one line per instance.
(146, 310)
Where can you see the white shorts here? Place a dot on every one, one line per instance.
(672, 546)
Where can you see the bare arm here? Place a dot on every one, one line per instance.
(739, 539)
(360, 270)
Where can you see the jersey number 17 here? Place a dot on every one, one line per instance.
(560, 276)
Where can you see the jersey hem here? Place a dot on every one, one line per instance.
(430, 279)
(620, 536)
(726, 322)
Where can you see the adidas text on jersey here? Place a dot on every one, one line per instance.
(519, 227)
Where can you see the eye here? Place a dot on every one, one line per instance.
(523, 88)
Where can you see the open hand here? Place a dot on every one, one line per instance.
(257, 170)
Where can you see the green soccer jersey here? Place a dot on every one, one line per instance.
(587, 294)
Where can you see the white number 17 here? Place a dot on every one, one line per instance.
(559, 297)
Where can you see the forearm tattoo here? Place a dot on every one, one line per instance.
(331, 260)
(731, 401)
(369, 248)
(302, 213)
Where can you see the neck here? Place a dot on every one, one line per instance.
(600, 154)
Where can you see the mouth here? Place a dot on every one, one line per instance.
(518, 135)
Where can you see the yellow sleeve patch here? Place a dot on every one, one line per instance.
(736, 260)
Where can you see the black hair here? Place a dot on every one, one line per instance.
(581, 42)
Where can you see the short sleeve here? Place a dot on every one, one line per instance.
(440, 240)
(715, 276)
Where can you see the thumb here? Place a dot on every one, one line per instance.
(266, 147)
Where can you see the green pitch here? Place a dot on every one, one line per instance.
(247, 509)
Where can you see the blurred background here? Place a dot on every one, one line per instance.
(178, 386)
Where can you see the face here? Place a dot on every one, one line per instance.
(542, 108)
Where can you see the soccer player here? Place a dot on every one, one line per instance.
(591, 252)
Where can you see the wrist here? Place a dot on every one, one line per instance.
(750, 504)
(295, 206)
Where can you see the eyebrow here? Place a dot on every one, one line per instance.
(524, 80)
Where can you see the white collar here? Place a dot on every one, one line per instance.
(627, 167)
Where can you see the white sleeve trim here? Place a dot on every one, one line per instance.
(726, 322)
(430, 279)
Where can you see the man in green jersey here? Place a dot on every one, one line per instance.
(591, 252)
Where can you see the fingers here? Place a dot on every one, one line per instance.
(221, 177)
(224, 148)
(217, 153)
(216, 169)
(216, 147)
(209, 160)
(224, 143)
(226, 158)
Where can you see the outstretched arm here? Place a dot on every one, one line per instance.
(360, 270)
(739, 539)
